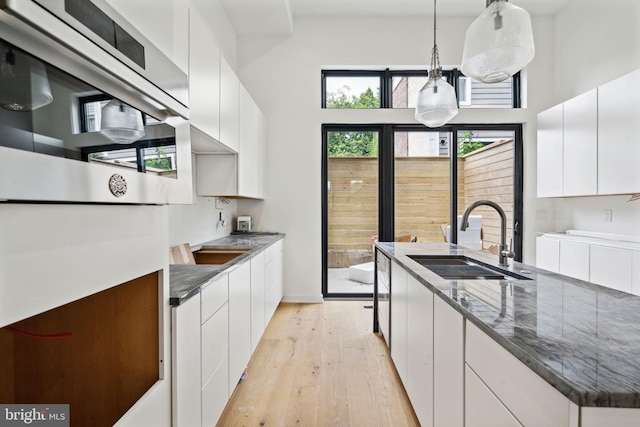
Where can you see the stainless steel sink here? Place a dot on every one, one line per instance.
(459, 267)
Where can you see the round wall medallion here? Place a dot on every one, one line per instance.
(117, 185)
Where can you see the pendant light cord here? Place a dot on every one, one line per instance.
(435, 57)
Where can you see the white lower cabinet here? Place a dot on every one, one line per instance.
(215, 366)
(213, 336)
(548, 253)
(448, 365)
(574, 259)
(529, 398)
(257, 299)
(239, 322)
(612, 267)
(185, 363)
(482, 407)
(273, 276)
(419, 382)
(398, 322)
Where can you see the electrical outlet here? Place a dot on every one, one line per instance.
(608, 215)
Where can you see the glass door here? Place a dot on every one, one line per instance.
(487, 159)
(422, 185)
(351, 202)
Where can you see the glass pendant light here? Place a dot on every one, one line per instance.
(499, 43)
(24, 84)
(437, 102)
(121, 123)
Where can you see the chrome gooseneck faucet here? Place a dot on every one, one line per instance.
(504, 251)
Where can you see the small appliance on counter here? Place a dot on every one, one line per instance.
(245, 225)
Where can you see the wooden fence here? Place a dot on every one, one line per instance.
(421, 198)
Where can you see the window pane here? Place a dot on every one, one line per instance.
(353, 144)
(352, 210)
(487, 95)
(352, 92)
(422, 185)
(486, 161)
(405, 90)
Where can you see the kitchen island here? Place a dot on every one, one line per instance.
(536, 349)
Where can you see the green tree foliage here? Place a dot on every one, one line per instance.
(353, 144)
(161, 161)
(467, 145)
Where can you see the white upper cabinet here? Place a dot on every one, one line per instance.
(587, 145)
(550, 152)
(204, 78)
(229, 106)
(580, 145)
(618, 130)
(250, 150)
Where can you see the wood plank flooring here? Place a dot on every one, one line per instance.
(320, 365)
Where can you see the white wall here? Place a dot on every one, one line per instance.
(595, 42)
(283, 76)
(199, 222)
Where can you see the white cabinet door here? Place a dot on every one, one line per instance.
(419, 383)
(257, 299)
(574, 259)
(399, 319)
(216, 175)
(482, 407)
(229, 106)
(611, 267)
(550, 152)
(185, 363)
(249, 155)
(618, 127)
(274, 279)
(239, 322)
(204, 78)
(580, 145)
(448, 365)
(548, 253)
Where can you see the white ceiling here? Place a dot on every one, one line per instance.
(411, 7)
(276, 17)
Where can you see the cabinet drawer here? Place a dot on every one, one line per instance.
(215, 342)
(482, 407)
(214, 296)
(532, 400)
(215, 394)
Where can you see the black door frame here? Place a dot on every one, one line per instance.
(386, 203)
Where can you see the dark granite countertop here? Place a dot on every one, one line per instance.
(188, 280)
(582, 338)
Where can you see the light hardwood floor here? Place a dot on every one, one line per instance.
(320, 365)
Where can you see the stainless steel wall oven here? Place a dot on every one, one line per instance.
(91, 111)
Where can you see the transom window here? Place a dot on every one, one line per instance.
(362, 89)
